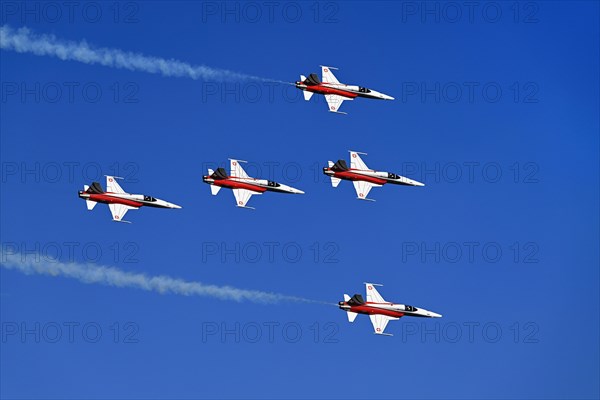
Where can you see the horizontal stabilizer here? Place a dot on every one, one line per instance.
(90, 204)
(334, 181)
(214, 189)
(351, 316)
(307, 95)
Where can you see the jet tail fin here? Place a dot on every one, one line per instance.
(95, 188)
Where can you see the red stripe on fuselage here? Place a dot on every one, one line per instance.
(107, 199)
(366, 309)
(233, 184)
(352, 176)
(328, 90)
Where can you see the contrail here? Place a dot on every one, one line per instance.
(25, 41)
(110, 276)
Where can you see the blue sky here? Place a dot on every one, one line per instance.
(496, 113)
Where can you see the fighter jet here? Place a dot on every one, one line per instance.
(242, 185)
(363, 178)
(334, 91)
(119, 202)
(380, 311)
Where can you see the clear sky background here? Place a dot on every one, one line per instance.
(496, 113)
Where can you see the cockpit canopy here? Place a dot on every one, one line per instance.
(149, 198)
(364, 90)
(340, 165)
(410, 308)
(393, 176)
(356, 300)
(273, 184)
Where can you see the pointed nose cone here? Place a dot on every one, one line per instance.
(170, 205)
(431, 314)
(411, 182)
(290, 189)
(386, 97)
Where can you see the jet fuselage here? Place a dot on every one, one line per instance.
(388, 309)
(371, 176)
(340, 89)
(131, 200)
(255, 185)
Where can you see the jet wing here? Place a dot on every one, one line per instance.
(236, 169)
(380, 322)
(334, 101)
(363, 188)
(118, 211)
(327, 76)
(242, 196)
(373, 295)
(112, 186)
(356, 162)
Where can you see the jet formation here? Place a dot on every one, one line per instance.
(335, 92)
(380, 311)
(244, 187)
(119, 201)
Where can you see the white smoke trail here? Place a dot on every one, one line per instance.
(30, 264)
(25, 41)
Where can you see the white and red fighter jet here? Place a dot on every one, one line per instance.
(380, 311)
(334, 91)
(119, 202)
(363, 178)
(242, 185)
